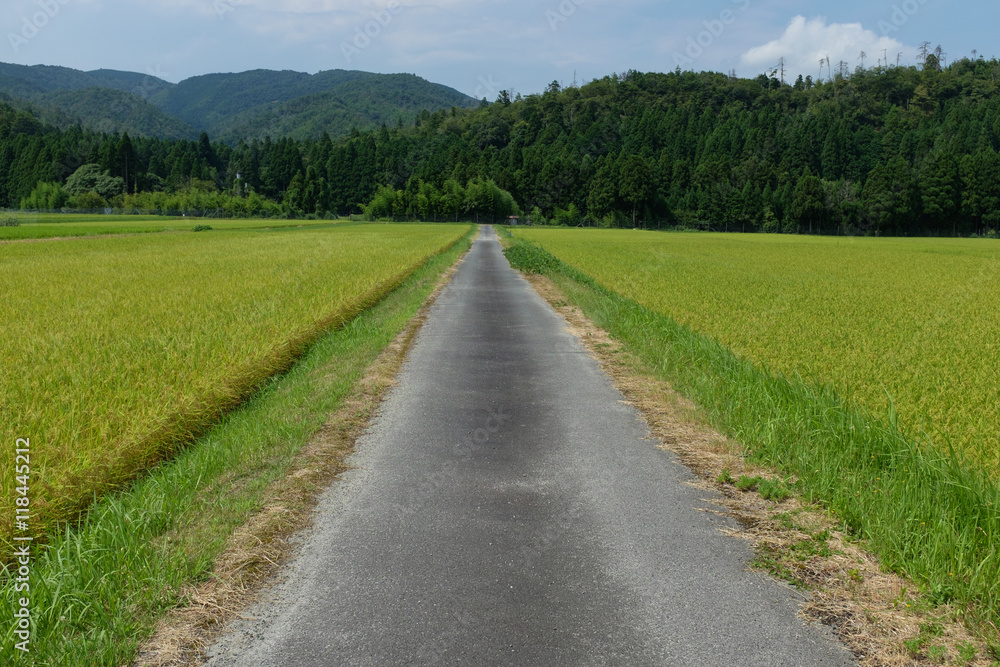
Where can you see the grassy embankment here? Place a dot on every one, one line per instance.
(929, 513)
(98, 588)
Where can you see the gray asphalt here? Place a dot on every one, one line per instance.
(506, 509)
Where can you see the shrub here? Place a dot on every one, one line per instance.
(87, 201)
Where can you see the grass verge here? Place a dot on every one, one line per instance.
(930, 517)
(98, 590)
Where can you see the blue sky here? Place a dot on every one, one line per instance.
(482, 46)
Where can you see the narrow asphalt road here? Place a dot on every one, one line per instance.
(507, 510)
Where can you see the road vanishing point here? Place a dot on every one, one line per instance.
(506, 507)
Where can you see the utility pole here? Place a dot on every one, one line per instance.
(863, 56)
(781, 66)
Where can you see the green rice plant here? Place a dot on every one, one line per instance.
(118, 351)
(910, 326)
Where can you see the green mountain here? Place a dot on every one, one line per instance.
(363, 102)
(116, 111)
(46, 78)
(102, 100)
(237, 106)
(210, 99)
(292, 104)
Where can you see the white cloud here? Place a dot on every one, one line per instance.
(806, 42)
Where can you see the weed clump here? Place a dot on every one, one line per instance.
(530, 258)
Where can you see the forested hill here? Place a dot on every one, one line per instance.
(228, 106)
(887, 151)
(263, 103)
(47, 78)
(103, 100)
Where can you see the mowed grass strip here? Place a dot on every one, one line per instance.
(118, 351)
(911, 325)
(925, 513)
(98, 589)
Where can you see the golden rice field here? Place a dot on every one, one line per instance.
(115, 350)
(54, 225)
(917, 320)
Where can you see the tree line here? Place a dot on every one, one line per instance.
(889, 150)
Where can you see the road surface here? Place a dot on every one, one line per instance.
(506, 509)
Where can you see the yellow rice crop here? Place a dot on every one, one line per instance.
(115, 350)
(55, 225)
(917, 320)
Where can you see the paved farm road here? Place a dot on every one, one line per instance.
(506, 510)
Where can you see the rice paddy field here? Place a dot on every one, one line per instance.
(907, 324)
(53, 225)
(116, 351)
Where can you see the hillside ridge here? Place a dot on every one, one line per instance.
(232, 106)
